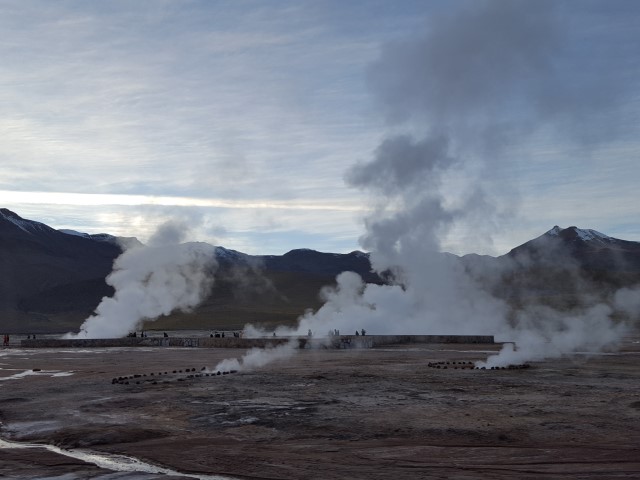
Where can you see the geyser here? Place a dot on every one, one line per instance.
(258, 357)
(150, 282)
(478, 83)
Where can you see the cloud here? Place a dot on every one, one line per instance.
(162, 102)
(246, 103)
(502, 82)
(492, 63)
(472, 60)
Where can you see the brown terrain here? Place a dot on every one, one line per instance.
(323, 414)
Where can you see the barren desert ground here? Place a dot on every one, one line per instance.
(322, 414)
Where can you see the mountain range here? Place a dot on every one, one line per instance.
(51, 280)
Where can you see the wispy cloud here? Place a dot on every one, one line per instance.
(89, 199)
(245, 109)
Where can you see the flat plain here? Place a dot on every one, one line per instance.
(322, 414)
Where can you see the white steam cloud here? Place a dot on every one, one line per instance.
(152, 281)
(489, 76)
(258, 357)
(627, 301)
(542, 332)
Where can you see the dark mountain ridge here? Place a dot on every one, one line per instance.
(562, 268)
(36, 259)
(589, 248)
(51, 280)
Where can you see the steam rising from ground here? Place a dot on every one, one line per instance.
(488, 77)
(542, 332)
(152, 281)
(478, 83)
(258, 357)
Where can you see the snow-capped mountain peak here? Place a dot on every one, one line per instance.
(74, 232)
(123, 242)
(580, 234)
(588, 235)
(554, 231)
(228, 254)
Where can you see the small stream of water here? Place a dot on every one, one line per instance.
(115, 463)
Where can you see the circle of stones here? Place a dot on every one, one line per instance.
(179, 375)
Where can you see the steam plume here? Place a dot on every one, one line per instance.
(258, 357)
(542, 332)
(152, 281)
(487, 77)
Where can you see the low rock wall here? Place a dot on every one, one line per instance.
(372, 341)
(206, 342)
(341, 341)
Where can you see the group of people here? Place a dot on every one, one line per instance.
(134, 334)
(143, 334)
(235, 334)
(336, 332)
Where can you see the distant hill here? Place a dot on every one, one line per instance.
(46, 272)
(562, 268)
(587, 249)
(51, 280)
(126, 242)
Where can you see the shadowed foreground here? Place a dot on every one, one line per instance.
(375, 414)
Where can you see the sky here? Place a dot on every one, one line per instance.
(245, 119)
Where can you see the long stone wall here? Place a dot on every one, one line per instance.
(200, 342)
(372, 341)
(342, 341)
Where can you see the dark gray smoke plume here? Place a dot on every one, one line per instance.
(488, 76)
(501, 68)
(172, 232)
(480, 61)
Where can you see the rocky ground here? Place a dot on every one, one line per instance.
(325, 414)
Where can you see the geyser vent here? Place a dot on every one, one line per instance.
(466, 365)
